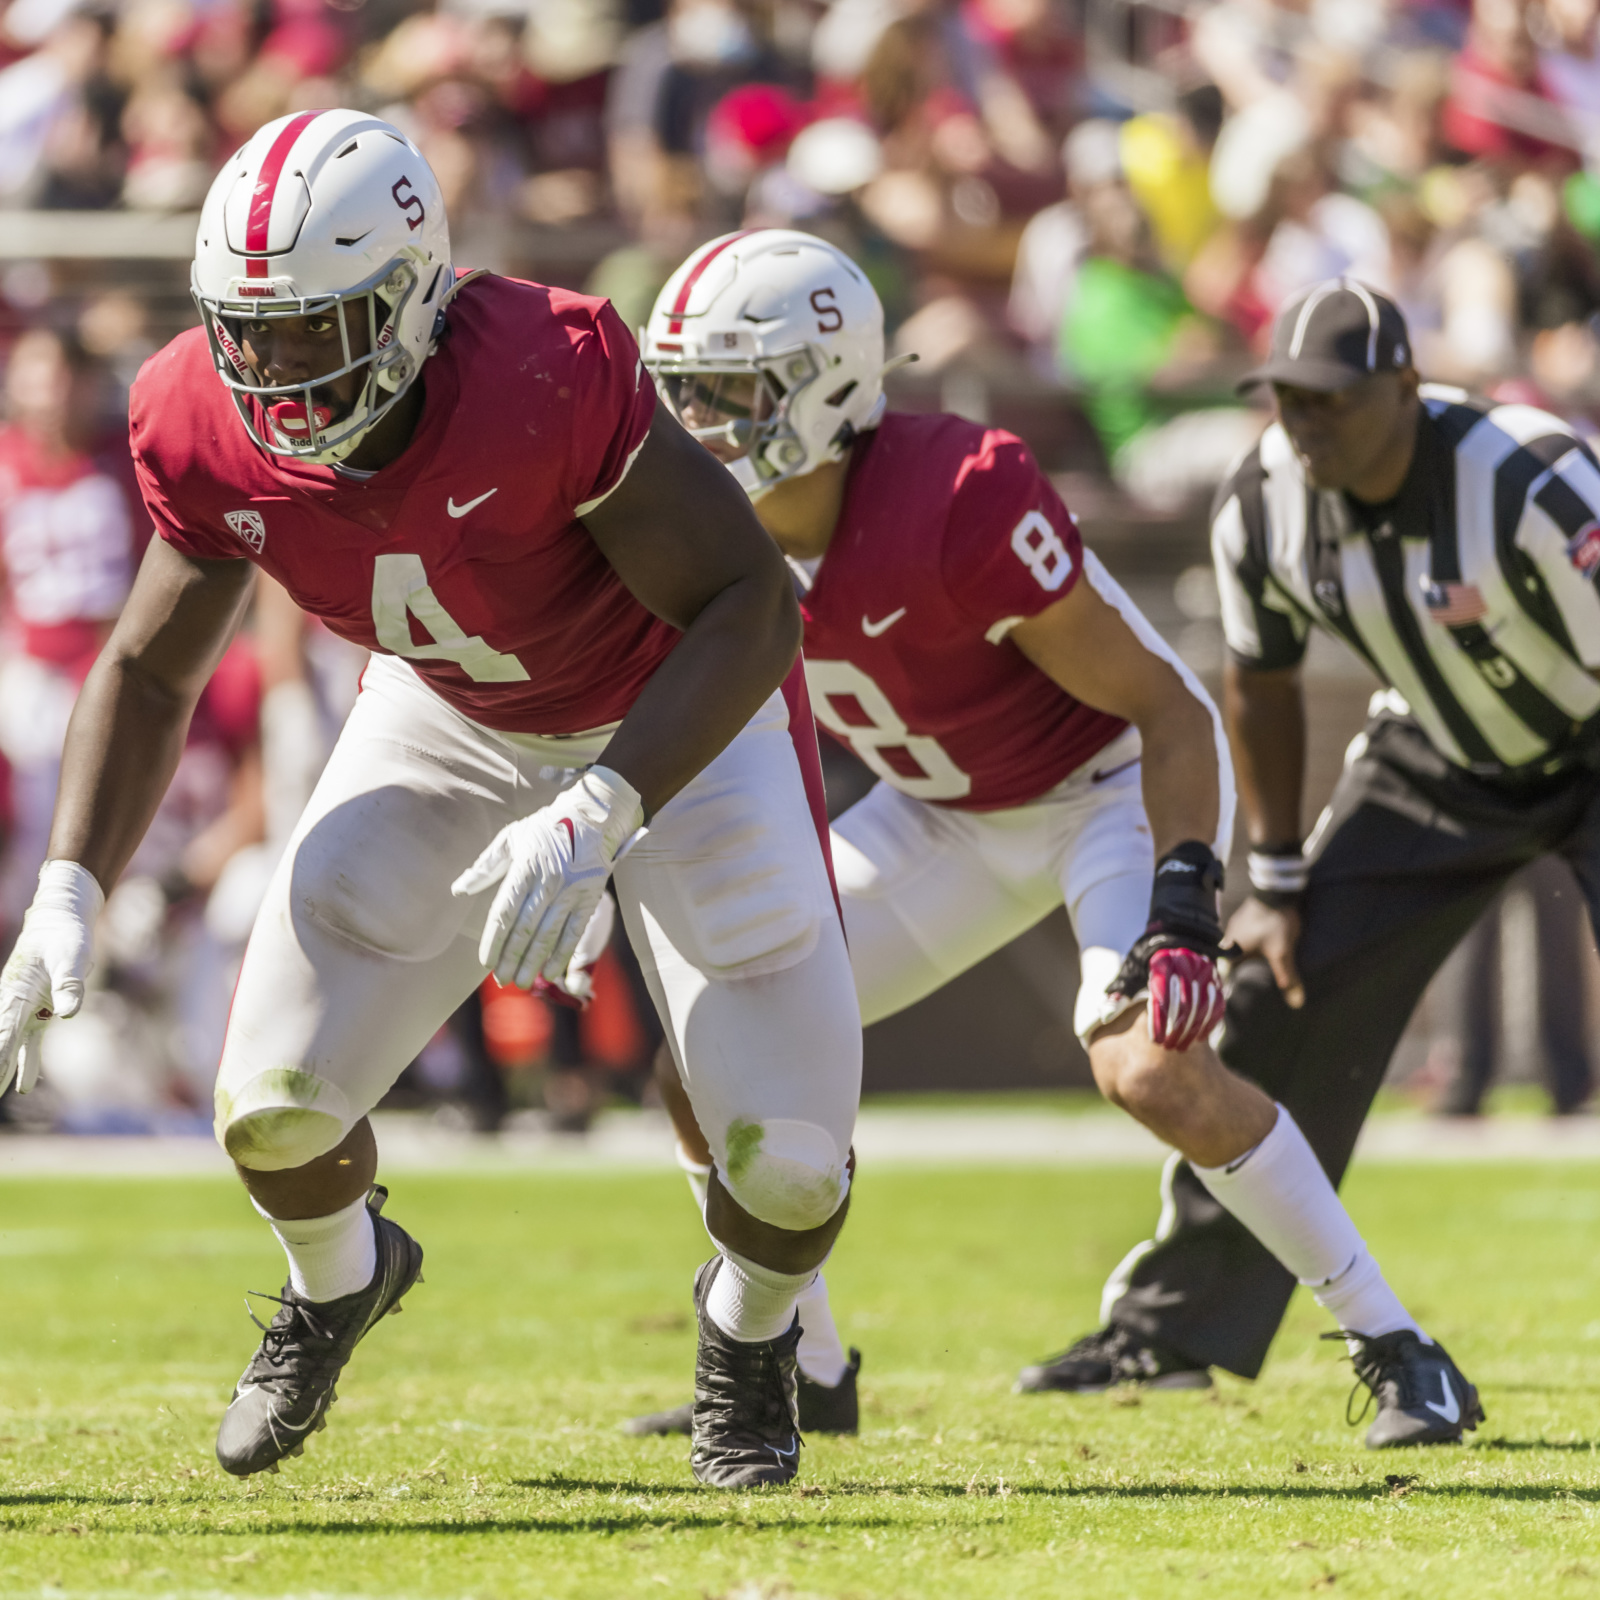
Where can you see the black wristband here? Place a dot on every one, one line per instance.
(1183, 897)
(1183, 913)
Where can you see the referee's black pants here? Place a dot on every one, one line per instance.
(1412, 852)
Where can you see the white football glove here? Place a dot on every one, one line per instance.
(578, 985)
(552, 869)
(45, 974)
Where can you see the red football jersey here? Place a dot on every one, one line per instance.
(949, 535)
(465, 555)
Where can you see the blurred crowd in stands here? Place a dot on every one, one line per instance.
(1095, 205)
(1113, 195)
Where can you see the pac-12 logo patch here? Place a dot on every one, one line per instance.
(249, 526)
(1583, 548)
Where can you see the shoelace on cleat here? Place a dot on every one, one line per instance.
(284, 1350)
(744, 1390)
(1372, 1369)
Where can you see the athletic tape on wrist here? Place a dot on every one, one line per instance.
(622, 806)
(68, 886)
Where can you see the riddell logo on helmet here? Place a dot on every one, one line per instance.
(228, 347)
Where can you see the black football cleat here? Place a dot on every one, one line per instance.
(680, 1419)
(1422, 1395)
(284, 1394)
(823, 1409)
(1109, 1356)
(746, 1430)
(832, 1408)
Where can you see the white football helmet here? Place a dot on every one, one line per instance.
(768, 347)
(318, 211)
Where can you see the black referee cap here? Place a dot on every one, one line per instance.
(1336, 332)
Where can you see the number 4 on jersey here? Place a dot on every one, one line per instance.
(400, 591)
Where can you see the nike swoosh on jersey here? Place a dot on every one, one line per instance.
(1111, 772)
(461, 511)
(1451, 1409)
(873, 629)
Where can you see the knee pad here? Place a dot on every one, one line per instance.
(786, 1173)
(280, 1119)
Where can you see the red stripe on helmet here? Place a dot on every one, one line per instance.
(255, 228)
(696, 272)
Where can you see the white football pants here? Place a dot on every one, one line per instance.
(360, 951)
(929, 891)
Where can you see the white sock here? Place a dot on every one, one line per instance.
(329, 1257)
(821, 1354)
(1280, 1193)
(752, 1303)
(699, 1177)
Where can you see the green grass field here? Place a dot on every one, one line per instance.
(475, 1451)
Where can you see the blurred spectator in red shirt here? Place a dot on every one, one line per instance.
(67, 550)
(1500, 108)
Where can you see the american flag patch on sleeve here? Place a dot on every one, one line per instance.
(1583, 549)
(1453, 605)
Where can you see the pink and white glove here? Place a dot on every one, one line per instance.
(552, 869)
(1186, 999)
(1176, 959)
(44, 977)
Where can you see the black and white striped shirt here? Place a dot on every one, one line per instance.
(1472, 594)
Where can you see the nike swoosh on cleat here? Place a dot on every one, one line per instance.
(1451, 1409)
(785, 1456)
(461, 511)
(873, 629)
(274, 1422)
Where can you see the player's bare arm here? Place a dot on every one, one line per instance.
(1266, 720)
(1087, 647)
(128, 727)
(683, 538)
(122, 747)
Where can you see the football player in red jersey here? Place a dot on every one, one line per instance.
(584, 669)
(1037, 744)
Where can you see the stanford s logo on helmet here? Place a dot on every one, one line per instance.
(768, 347)
(321, 211)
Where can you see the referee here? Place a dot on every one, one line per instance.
(1454, 545)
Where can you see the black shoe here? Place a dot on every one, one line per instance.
(1109, 1356)
(835, 1409)
(1422, 1396)
(284, 1395)
(680, 1419)
(746, 1430)
(822, 1410)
